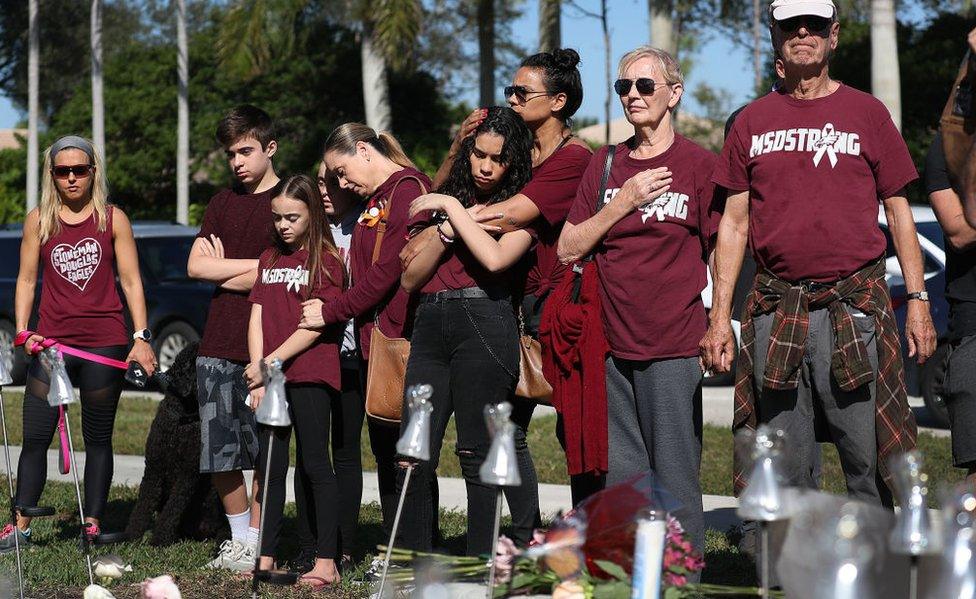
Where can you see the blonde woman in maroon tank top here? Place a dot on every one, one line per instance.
(80, 243)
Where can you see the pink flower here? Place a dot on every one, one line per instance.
(161, 587)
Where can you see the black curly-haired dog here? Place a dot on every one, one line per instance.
(183, 501)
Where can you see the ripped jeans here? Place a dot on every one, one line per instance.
(467, 349)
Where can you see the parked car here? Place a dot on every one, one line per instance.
(176, 305)
(925, 380)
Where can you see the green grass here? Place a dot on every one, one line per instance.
(135, 416)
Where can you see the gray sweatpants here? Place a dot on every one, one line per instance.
(654, 409)
(960, 391)
(849, 416)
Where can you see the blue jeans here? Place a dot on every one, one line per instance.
(467, 349)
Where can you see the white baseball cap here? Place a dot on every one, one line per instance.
(787, 9)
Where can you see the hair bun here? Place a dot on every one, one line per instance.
(565, 58)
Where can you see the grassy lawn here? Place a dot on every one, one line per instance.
(135, 416)
(55, 568)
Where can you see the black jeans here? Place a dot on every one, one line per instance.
(347, 462)
(310, 408)
(467, 349)
(99, 387)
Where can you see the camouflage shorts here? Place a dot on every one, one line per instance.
(228, 431)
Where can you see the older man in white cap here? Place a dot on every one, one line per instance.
(805, 168)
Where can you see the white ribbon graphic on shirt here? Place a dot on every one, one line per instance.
(826, 145)
(295, 279)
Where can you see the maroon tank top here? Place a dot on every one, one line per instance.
(80, 303)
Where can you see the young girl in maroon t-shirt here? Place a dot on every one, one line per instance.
(303, 263)
(465, 335)
(82, 243)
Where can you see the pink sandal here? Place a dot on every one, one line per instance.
(316, 583)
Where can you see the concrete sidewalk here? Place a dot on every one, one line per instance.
(719, 510)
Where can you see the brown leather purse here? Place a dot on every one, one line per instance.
(532, 383)
(387, 364)
(958, 122)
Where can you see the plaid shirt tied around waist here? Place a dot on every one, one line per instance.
(864, 290)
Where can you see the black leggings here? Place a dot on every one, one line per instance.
(100, 387)
(347, 425)
(310, 408)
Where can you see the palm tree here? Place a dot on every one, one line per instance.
(486, 52)
(98, 103)
(662, 25)
(183, 118)
(550, 34)
(33, 60)
(885, 80)
(256, 31)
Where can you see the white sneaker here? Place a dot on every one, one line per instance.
(234, 555)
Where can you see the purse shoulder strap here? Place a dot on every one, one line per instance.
(381, 226)
(600, 203)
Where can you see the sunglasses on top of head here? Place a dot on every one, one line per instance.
(522, 94)
(813, 24)
(78, 170)
(645, 86)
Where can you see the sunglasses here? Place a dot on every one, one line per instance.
(645, 86)
(78, 170)
(522, 94)
(813, 24)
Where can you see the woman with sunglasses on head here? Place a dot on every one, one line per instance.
(651, 241)
(546, 92)
(82, 243)
(465, 336)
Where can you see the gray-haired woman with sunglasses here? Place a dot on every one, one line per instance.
(651, 242)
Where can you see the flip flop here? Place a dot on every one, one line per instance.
(316, 583)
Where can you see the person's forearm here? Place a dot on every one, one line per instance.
(136, 300)
(486, 249)
(730, 247)
(424, 264)
(242, 283)
(905, 239)
(255, 336)
(295, 344)
(218, 270)
(959, 235)
(24, 302)
(576, 241)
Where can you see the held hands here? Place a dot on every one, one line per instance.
(919, 331)
(142, 353)
(717, 348)
(312, 314)
(254, 379)
(645, 186)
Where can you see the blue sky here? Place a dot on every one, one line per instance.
(718, 62)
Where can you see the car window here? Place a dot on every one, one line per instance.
(165, 257)
(9, 246)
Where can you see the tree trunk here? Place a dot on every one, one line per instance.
(885, 79)
(182, 119)
(376, 92)
(98, 102)
(550, 32)
(757, 41)
(486, 52)
(607, 54)
(662, 26)
(33, 53)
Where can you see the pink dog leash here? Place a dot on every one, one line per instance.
(23, 336)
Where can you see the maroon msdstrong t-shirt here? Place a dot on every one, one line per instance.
(282, 285)
(815, 171)
(652, 262)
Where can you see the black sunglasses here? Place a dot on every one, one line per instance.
(522, 94)
(813, 24)
(78, 170)
(645, 86)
